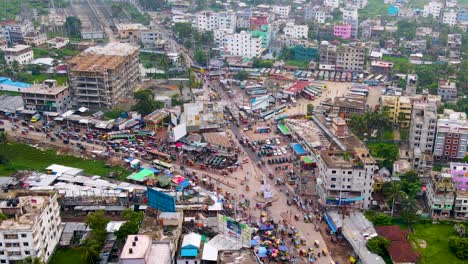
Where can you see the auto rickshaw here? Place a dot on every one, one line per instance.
(303, 242)
(306, 219)
(316, 244)
(296, 217)
(247, 188)
(297, 244)
(324, 252)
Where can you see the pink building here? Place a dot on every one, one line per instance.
(342, 31)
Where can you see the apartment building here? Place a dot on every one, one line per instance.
(454, 45)
(33, 228)
(220, 23)
(452, 136)
(243, 18)
(103, 76)
(440, 194)
(331, 3)
(281, 10)
(47, 96)
(316, 13)
(343, 31)
(292, 30)
(349, 13)
(14, 32)
(447, 90)
(243, 44)
(450, 17)
(35, 38)
(3, 43)
(347, 106)
(433, 9)
(23, 54)
(351, 57)
(422, 135)
(346, 178)
(400, 106)
(327, 56)
(459, 172)
(151, 37)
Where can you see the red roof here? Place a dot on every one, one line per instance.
(392, 233)
(401, 252)
(298, 87)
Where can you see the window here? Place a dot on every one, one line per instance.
(456, 135)
(24, 235)
(333, 171)
(447, 147)
(455, 142)
(27, 252)
(333, 179)
(454, 148)
(25, 244)
(449, 141)
(11, 236)
(332, 186)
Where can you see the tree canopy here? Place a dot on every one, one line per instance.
(73, 27)
(459, 245)
(145, 103)
(242, 75)
(131, 226)
(364, 124)
(378, 245)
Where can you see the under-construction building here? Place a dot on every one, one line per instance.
(103, 76)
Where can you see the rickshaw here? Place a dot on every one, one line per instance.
(247, 188)
(324, 252)
(303, 242)
(296, 217)
(297, 244)
(316, 244)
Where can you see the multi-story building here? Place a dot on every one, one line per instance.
(220, 23)
(346, 178)
(327, 56)
(292, 30)
(460, 208)
(452, 136)
(447, 90)
(130, 32)
(381, 67)
(15, 32)
(47, 96)
(202, 116)
(350, 13)
(35, 38)
(347, 107)
(440, 194)
(23, 54)
(243, 44)
(151, 36)
(399, 107)
(422, 134)
(243, 19)
(343, 31)
(358, 3)
(264, 33)
(450, 17)
(433, 9)
(462, 16)
(454, 45)
(281, 10)
(33, 227)
(258, 21)
(316, 13)
(351, 57)
(3, 43)
(103, 76)
(458, 170)
(331, 3)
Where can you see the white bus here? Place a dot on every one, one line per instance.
(161, 165)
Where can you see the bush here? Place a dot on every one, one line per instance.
(459, 246)
(378, 219)
(378, 245)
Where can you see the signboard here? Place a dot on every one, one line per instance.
(160, 201)
(174, 119)
(235, 230)
(180, 131)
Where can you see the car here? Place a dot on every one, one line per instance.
(277, 141)
(245, 129)
(268, 142)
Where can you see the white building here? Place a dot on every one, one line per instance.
(432, 9)
(331, 3)
(281, 10)
(220, 23)
(296, 31)
(140, 249)
(440, 194)
(350, 13)
(23, 54)
(360, 3)
(450, 17)
(33, 228)
(346, 179)
(316, 13)
(243, 44)
(422, 135)
(47, 96)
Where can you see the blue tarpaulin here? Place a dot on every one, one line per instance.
(267, 227)
(262, 252)
(298, 149)
(253, 242)
(330, 223)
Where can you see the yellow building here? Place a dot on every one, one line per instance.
(399, 107)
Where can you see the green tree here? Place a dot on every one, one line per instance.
(393, 194)
(378, 219)
(242, 75)
(459, 245)
(183, 30)
(181, 59)
(90, 251)
(3, 155)
(131, 226)
(408, 210)
(73, 27)
(145, 102)
(200, 57)
(98, 221)
(31, 260)
(378, 245)
(181, 88)
(164, 62)
(411, 183)
(465, 159)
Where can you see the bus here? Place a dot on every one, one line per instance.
(308, 95)
(198, 68)
(243, 117)
(293, 100)
(360, 90)
(378, 77)
(35, 118)
(267, 113)
(280, 109)
(159, 154)
(357, 94)
(370, 77)
(161, 165)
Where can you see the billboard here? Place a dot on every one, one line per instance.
(174, 120)
(180, 131)
(235, 230)
(160, 201)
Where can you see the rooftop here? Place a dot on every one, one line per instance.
(218, 138)
(113, 49)
(96, 63)
(46, 89)
(356, 103)
(17, 48)
(26, 206)
(133, 26)
(136, 247)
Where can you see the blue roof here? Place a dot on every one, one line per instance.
(189, 252)
(330, 223)
(8, 81)
(298, 149)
